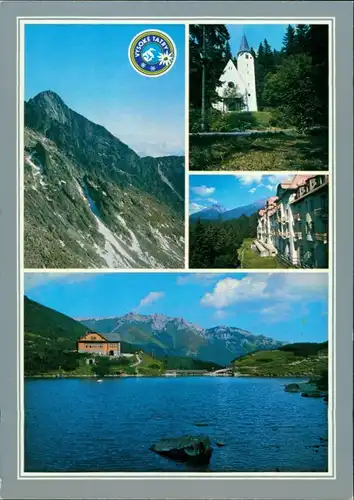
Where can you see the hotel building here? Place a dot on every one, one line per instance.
(293, 226)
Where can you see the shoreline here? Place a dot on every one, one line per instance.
(61, 376)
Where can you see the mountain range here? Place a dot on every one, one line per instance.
(163, 335)
(154, 334)
(218, 212)
(91, 201)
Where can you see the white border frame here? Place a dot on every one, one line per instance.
(21, 22)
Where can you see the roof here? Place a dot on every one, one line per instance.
(272, 200)
(111, 337)
(296, 181)
(244, 47)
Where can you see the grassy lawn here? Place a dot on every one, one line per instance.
(280, 363)
(250, 260)
(281, 151)
(228, 122)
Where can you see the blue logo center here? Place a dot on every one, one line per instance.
(152, 53)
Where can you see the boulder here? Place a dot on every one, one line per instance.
(193, 449)
(312, 394)
(292, 388)
(301, 387)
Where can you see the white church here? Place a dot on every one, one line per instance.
(238, 85)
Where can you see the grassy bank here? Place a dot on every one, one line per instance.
(281, 151)
(293, 360)
(251, 260)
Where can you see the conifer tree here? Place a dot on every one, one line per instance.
(301, 39)
(289, 44)
(217, 54)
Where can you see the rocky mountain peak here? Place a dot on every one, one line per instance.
(218, 208)
(48, 96)
(46, 106)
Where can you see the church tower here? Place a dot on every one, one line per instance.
(245, 67)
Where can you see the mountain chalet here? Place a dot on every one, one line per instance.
(99, 344)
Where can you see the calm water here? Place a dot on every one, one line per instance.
(78, 425)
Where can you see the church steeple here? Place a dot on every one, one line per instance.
(244, 47)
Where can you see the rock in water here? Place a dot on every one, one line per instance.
(292, 388)
(193, 449)
(312, 394)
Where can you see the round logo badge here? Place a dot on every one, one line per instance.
(152, 53)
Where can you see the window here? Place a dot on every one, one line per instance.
(246, 56)
(249, 95)
(231, 85)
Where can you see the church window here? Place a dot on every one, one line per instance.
(249, 95)
(246, 56)
(231, 85)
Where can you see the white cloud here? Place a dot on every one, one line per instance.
(276, 312)
(198, 278)
(221, 314)
(195, 207)
(211, 200)
(203, 190)
(230, 290)
(258, 180)
(276, 291)
(277, 179)
(303, 285)
(150, 298)
(247, 179)
(36, 280)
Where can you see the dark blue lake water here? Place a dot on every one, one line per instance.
(75, 425)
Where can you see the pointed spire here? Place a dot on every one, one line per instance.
(244, 47)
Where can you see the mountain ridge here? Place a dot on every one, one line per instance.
(210, 213)
(175, 336)
(91, 201)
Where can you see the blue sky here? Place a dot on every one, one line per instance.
(255, 34)
(88, 66)
(231, 191)
(291, 307)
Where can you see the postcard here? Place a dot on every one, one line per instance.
(176, 238)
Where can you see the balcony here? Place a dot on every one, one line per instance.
(322, 237)
(321, 212)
